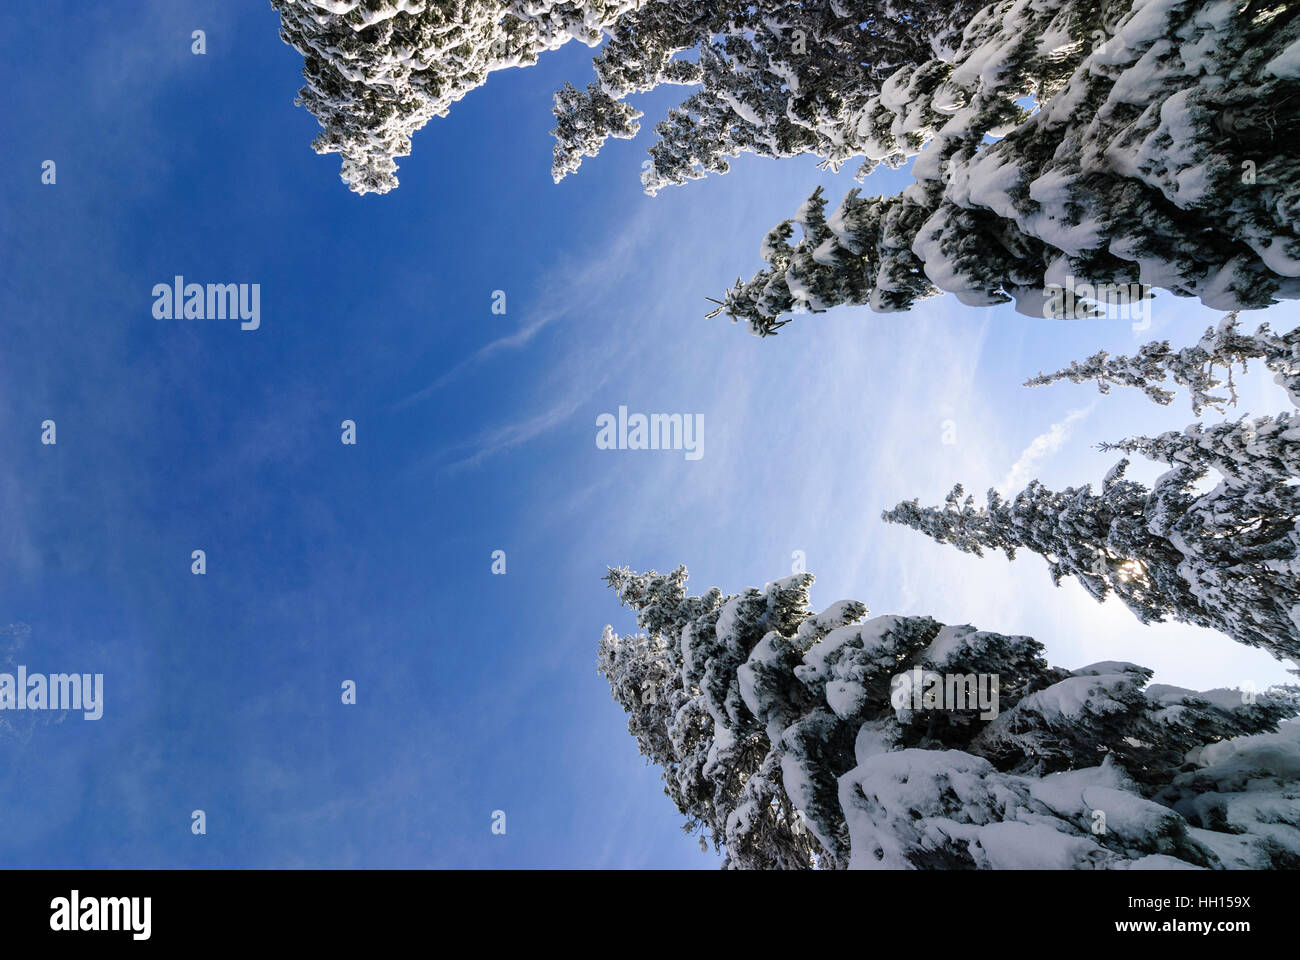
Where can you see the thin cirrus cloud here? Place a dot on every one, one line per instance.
(597, 276)
(513, 341)
(586, 292)
(1040, 448)
(521, 431)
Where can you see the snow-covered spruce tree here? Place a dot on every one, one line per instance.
(1163, 153)
(378, 70)
(783, 736)
(1224, 347)
(1228, 559)
(776, 79)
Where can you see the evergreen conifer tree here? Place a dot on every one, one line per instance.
(1227, 558)
(1138, 145)
(1223, 346)
(793, 740)
(376, 71)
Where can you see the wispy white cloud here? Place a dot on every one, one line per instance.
(1042, 447)
(577, 285)
(521, 431)
(513, 341)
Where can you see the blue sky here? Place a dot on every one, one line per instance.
(476, 431)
